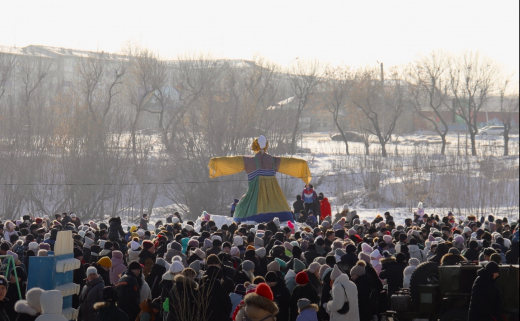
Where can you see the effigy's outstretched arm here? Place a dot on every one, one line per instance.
(295, 167)
(222, 166)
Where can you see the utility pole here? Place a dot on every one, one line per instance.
(383, 94)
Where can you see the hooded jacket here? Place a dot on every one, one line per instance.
(181, 298)
(416, 252)
(308, 314)
(51, 303)
(258, 308)
(154, 279)
(343, 290)
(118, 267)
(306, 291)
(290, 281)
(29, 310)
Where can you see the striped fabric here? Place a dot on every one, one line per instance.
(261, 172)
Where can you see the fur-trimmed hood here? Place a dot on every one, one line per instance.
(388, 260)
(253, 300)
(186, 281)
(23, 307)
(101, 305)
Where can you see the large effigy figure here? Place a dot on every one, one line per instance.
(264, 199)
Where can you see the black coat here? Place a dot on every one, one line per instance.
(182, 299)
(325, 296)
(3, 314)
(486, 301)
(310, 256)
(365, 287)
(282, 298)
(107, 311)
(26, 317)
(154, 279)
(306, 291)
(394, 275)
(128, 292)
(90, 295)
(12, 298)
(215, 295)
(115, 229)
(471, 254)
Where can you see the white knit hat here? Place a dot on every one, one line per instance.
(176, 267)
(33, 246)
(134, 245)
(92, 270)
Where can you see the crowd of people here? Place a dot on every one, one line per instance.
(338, 267)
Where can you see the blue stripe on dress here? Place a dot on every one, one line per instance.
(261, 172)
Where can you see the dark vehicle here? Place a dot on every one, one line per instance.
(444, 293)
(350, 136)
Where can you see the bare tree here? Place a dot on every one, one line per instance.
(379, 105)
(472, 80)
(335, 97)
(304, 79)
(430, 91)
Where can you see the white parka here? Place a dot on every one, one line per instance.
(51, 303)
(341, 286)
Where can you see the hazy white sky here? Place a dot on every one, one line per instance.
(343, 31)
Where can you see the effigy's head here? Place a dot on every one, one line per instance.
(260, 144)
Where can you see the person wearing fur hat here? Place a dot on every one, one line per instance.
(367, 295)
(90, 295)
(486, 301)
(453, 257)
(108, 310)
(303, 290)
(343, 290)
(29, 309)
(259, 305)
(51, 303)
(128, 290)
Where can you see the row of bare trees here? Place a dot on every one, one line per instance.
(118, 134)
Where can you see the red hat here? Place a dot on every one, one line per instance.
(264, 290)
(302, 278)
(147, 244)
(39, 220)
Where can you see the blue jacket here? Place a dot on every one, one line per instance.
(308, 315)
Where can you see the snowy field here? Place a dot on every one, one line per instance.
(343, 179)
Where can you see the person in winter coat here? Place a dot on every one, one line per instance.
(307, 311)
(180, 302)
(29, 309)
(9, 230)
(91, 294)
(415, 251)
(298, 205)
(441, 250)
(147, 256)
(108, 310)
(216, 296)
(343, 290)
(115, 229)
(154, 278)
(304, 290)
(149, 310)
(103, 266)
(452, 258)
(408, 271)
(236, 297)
(472, 253)
(259, 306)
(134, 248)
(3, 291)
(12, 292)
(128, 290)
(281, 295)
(144, 222)
(51, 303)
(325, 210)
(393, 272)
(366, 291)
(118, 267)
(486, 302)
